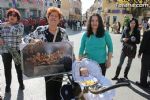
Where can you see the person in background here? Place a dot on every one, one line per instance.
(114, 27)
(145, 25)
(107, 25)
(145, 61)
(130, 37)
(118, 27)
(95, 42)
(50, 33)
(11, 34)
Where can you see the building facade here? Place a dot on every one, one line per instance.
(71, 9)
(108, 10)
(50, 3)
(111, 13)
(75, 12)
(65, 7)
(95, 8)
(28, 8)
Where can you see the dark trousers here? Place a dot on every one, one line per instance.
(129, 62)
(144, 69)
(7, 61)
(103, 68)
(53, 85)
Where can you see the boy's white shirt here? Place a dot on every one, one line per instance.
(94, 72)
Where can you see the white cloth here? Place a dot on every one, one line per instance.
(94, 71)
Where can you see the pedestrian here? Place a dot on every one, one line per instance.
(107, 25)
(11, 34)
(145, 61)
(50, 33)
(114, 27)
(145, 25)
(78, 25)
(118, 27)
(94, 43)
(130, 37)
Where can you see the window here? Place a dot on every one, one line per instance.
(50, 4)
(114, 19)
(30, 1)
(45, 3)
(109, 11)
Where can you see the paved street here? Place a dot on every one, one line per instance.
(35, 88)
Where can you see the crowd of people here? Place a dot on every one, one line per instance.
(30, 24)
(94, 44)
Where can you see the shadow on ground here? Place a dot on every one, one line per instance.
(20, 95)
(144, 92)
(7, 96)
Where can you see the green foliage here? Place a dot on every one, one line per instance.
(126, 20)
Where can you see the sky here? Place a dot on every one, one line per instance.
(86, 4)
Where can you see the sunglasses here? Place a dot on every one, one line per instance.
(14, 15)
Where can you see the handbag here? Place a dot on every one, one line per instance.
(129, 50)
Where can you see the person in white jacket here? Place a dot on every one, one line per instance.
(89, 70)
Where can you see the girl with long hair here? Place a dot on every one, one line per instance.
(130, 37)
(94, 43)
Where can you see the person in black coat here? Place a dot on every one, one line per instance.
(145, 61)
(130, 37)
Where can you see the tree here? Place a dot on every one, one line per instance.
(126, 21)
